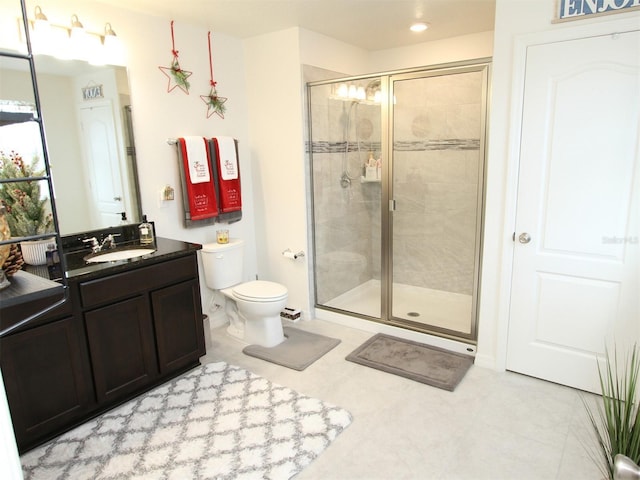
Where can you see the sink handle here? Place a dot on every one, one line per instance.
(95, 246)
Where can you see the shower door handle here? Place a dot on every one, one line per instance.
(524, 238)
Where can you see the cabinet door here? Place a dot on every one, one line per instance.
(121, 348)
(177, 316)
(46, 378)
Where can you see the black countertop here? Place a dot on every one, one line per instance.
(26, 287)
(33, 284)
(165, 249)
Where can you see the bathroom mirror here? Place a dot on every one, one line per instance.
(88, 126)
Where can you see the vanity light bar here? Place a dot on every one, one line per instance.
(73, 41)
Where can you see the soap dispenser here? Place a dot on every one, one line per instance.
(146, 231)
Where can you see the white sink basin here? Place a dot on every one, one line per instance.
(118, 255)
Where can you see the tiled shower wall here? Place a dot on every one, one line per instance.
(436, 131)
(346, 211)
(437, 128)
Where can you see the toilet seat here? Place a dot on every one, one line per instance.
(260, 291)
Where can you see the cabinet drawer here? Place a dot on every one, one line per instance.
(131, 282)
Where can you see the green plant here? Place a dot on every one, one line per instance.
(27, 213)
(616, 421)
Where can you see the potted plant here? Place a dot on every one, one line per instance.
(616, 420)
(27, 213)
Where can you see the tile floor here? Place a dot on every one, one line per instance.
(494, 426)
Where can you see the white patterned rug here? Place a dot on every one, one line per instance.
(216, 422)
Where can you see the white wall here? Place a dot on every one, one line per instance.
(464, 47)
(274, 90)
(328, 53)
(514, 18)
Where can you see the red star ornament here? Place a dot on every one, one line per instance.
(177, 77)
(215, 103)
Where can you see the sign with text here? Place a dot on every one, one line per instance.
(92, 92)
(574, 9)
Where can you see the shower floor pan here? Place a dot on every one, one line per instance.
(421, 305)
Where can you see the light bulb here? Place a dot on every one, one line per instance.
(112, 47)
(78, 48)
(419, 27)
(41, 35)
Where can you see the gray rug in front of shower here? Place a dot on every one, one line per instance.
(416, 361)
(299, 349)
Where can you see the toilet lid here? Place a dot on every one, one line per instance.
(260, 291)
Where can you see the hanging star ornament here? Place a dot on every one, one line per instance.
(215, 103)
(177, 76)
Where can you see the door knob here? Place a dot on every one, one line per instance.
(524, 238)
(117, 199)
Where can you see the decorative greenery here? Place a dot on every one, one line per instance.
(180, 76)
(616, 421)
(215, 103)
(27, 213)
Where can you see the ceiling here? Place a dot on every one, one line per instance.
(369, 24)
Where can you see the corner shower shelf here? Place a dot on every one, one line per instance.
(369, 180)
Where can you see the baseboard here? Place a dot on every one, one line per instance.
(375, 327)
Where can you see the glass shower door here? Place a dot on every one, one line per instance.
(437, 152)
(344, 148)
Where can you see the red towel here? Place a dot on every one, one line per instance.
(228, 174)
(202, 195)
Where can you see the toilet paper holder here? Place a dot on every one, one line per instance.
(293, 256)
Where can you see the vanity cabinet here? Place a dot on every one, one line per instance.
(121, 347)
(178, 333)
(47, 378)
(118, 336)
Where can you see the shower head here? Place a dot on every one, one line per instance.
(372, 91)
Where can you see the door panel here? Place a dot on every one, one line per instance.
(575, 284)
(103, 163)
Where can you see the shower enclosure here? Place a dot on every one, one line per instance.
(397, 186)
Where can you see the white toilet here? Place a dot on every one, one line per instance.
(254, 307)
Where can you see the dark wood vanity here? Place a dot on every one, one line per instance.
(126, 327)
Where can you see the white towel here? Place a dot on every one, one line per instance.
(228, 158)
(197, 159)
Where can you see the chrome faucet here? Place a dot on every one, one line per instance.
(95, 246)
(108, 242)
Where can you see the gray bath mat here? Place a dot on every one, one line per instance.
(417, 361)
(299, 349)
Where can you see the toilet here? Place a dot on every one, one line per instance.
(253, 308)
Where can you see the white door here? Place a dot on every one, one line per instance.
(575, 272)
(103, 164)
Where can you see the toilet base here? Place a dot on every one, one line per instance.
(266, 331)
(237, 333)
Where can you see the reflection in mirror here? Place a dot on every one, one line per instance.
(21, 153)
(87, 122)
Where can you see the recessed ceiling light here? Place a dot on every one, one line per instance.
(419, 27)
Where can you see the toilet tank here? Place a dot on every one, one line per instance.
(222, 263)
